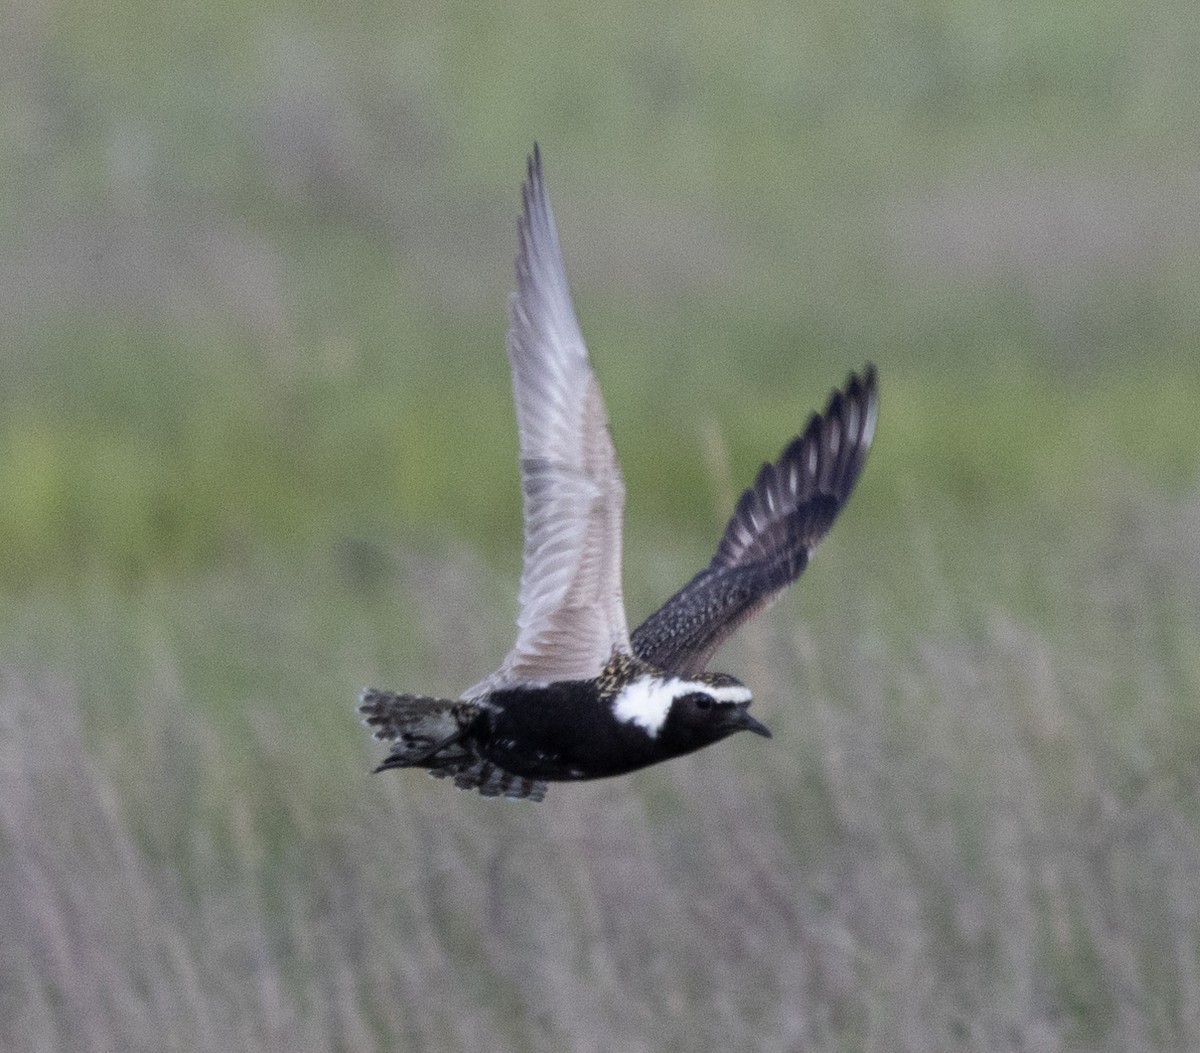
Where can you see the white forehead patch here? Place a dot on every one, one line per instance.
(647, 701)
(737, 693)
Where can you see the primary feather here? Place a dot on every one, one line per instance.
(770, 538)
(572, 607)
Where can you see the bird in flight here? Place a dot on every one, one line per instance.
(578, 696)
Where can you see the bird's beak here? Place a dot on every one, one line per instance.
(745, 722)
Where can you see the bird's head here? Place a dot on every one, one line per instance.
(684, 714)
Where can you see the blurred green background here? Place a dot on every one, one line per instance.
(257, 450)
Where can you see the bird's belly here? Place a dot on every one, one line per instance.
(531, 762)
(549, 761)
(564, 749)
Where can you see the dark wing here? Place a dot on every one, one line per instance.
(572, 612)
(775, 527)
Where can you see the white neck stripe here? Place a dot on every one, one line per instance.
(647, 701)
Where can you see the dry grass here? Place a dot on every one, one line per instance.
(983, 841)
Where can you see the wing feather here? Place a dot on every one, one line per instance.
(776, 525)
(572, 610)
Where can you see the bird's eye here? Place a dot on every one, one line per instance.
(700, 700)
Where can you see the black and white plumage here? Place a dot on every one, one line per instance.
(775, 527)
(577, 697)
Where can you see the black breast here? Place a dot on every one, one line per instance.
(559, 732)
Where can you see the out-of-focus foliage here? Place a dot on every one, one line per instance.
(257, 450)
(254, 258)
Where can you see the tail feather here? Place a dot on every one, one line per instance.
(491, 781)
(433, 733)
(421, 730)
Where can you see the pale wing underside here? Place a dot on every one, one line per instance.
(770, 537)
(572, 612)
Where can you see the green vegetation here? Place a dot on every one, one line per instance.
(257, 450)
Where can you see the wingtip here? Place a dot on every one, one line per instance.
(861, 383)
(869, 393)
(534, 203)
(859, 398)
(533, 169)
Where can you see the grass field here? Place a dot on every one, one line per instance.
(257, 451)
